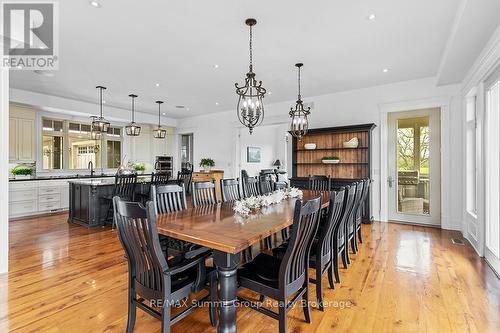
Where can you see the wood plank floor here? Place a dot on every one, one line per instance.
(65, 278)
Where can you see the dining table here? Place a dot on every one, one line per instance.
(228, 233)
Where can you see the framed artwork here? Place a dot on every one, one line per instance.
(253, 154)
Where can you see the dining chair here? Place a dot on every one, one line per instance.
(321, 258)
(266, 184)
(281, 279)
(351, 222)
(153, 282)
(319, 183)
(159, 178)
(339, 235)
(361, 209)
(203, 193)
(230, 189)
(169, 199)
(124, 188)
(185, 176)
(251, 187)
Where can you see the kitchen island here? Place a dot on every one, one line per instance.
(87, 206)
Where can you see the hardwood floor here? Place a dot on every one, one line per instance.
(65, 278)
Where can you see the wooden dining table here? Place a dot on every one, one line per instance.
(219, 228)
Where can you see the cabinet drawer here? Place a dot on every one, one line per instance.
(23, 208)
(22, 195)
(44, 206)
(22, 185)
(56, 197)
(49, 190)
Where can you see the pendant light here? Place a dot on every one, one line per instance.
(250, 108)
(159, 133)
(133, 129)
(299, 124)
(94, 135)
(99, 124)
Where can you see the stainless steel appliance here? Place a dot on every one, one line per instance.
(165, 164)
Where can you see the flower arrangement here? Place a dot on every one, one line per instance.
(207, 163)
(245, 206)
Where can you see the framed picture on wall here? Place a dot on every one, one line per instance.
(253, 155)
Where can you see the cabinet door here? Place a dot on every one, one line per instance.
(26, 139)
(13, 156)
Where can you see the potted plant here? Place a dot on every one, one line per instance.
(207, 164)
(139, 167)
(22, 172)
(330, 160)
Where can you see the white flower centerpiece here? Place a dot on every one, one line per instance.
(245, 206)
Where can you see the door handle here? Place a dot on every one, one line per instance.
(390, 181)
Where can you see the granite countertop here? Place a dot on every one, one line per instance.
(70, 177)
(106, 181)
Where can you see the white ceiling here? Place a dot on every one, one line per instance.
(129, 46)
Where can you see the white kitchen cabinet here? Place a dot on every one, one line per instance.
(23, 198)
(22, 134)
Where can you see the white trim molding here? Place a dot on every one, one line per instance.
(4, 170)
(444, 103)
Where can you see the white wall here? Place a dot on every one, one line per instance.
(4, 170)
(215, 134)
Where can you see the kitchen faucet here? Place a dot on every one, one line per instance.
(91, 167)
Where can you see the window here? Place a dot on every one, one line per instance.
(67, 145)
(471, 155)
(186, 150)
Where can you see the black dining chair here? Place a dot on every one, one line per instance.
(185, 176)
(321, 258)
(266, 184)
(168, 199)
(361, 209)
(351, 222)
(340, 245)
(281, 279)
(153, 282)
(230, 189)
(203, 193)
(319, 183)
(160, 178)
(124, 188)
(251, 187)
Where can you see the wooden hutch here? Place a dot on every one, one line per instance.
(355, 163)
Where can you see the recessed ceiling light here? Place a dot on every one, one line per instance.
(216, 66)
(157, 84)
(371, 17)
(103, 102)
(187, 109)
(164, 113)
(385, 70)
(216, 103)
(269, 92)
(95, 4)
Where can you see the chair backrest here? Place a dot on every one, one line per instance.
(251, 187)
(357, 201)
(138, 234)
(125, 186)
(159, 178)
(185, 176)
(266, 183)
(319, 183)
(324, 244)
(168, 198)
(340, 229)
(366, 190)
(203, 193)
(230, 189)
(295, 261)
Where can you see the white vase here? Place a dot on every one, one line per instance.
(207, 168)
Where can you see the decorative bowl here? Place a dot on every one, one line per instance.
(330, 161)
(310, 146)
(353, 143)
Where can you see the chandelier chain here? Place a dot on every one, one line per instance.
(299, 84)
(251, 51)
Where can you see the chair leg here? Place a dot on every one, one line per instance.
(330, 276)
(319, 289)
(282, 319)
(268, 243)
(165, 318)
(353, 243)
(305, 305)
(345, 258)
(335, 267)
(360, 236)
(213, 300)
(132, 307)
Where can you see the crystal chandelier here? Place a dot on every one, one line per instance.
(133, 129)
(159, 133)
(99, 124)
(299, 124)
(250, 108)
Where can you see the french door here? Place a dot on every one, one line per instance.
(414, 166)
(492, 149)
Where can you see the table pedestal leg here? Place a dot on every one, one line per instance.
(226, 264)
